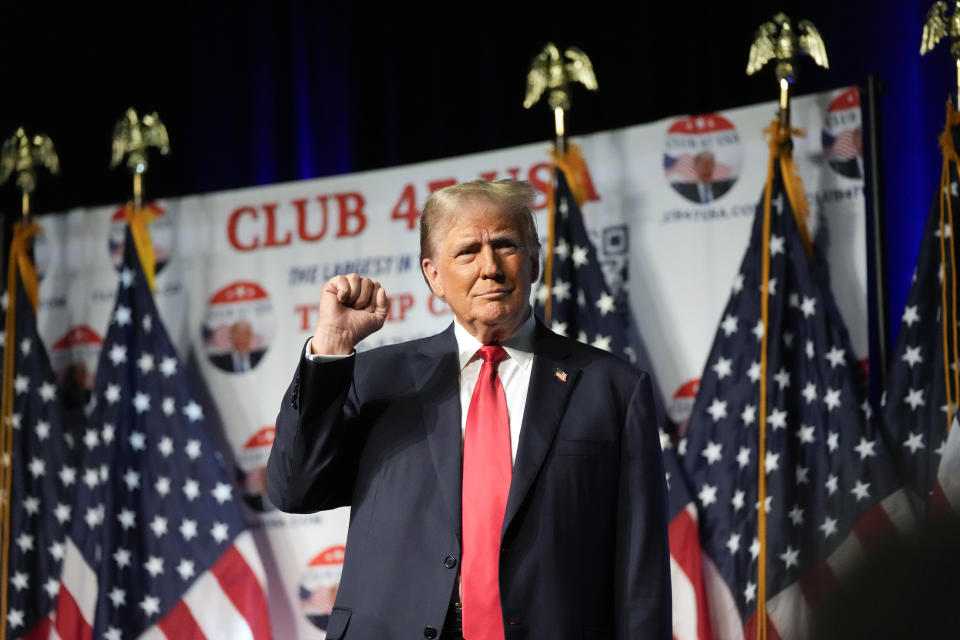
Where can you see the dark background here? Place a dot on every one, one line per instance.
(262, 92)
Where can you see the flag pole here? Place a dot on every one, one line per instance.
(776, 40)
(21, 155)
(554, 74)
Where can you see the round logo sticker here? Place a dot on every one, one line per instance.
(703, 157)
(682, 404)
(161, 235)
(842, 136)
(252, 468)
(319, 585)
(238, 326)
(73, 358)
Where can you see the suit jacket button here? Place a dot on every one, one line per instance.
(449, 562)
(429, 633)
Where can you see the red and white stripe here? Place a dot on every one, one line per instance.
(789, 612)
(691, 617)
(227, 601)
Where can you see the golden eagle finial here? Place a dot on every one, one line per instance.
(938, 25)
(778, 40)
(549, 72)
(132, 137)
(25, 155)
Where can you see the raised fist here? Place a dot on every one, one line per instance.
(350, 309)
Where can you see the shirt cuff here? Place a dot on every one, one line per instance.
(320, 357)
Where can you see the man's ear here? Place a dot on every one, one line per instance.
(432, 275)
(535, 262)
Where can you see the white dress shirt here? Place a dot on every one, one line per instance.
(514, 372)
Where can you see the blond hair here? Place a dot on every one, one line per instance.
(514, 198)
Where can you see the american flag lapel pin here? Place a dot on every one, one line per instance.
(561, 375)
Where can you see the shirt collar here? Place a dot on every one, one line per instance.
(519, 344)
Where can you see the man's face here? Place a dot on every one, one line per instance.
(241, 335)
(704, 165)
(482, 267)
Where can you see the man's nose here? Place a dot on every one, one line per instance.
(489, 263)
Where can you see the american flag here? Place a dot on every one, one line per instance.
(158, 546)
(831, 494)
(41, 491)
(583, 307)
(915, 411)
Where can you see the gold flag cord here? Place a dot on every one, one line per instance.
(948, 315)
(138, 219)
(19, 262)
(779, 137)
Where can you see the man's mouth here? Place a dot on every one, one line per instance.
(495, 294)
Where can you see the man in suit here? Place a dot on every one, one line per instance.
(240, 358)
(495, 470)
(705, 189)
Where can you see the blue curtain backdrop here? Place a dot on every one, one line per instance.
(266, 91)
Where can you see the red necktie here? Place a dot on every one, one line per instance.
(487, 468)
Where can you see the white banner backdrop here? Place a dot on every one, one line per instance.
(240, 271)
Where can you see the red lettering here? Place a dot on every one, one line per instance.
(436, 185)
(348, 212)
(589, 192)
(541, 184)
(301, 206)
(304, 310)
(271, 241)
(406, 207)
(489, 175)
(232, 229)
(514, 172)
(399, 304)
(444, 309)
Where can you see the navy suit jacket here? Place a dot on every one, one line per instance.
(584, 538)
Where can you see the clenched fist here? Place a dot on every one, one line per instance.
(350, 309)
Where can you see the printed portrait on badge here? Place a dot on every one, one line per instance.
(238, 327)
(702, 157)
(252, 470)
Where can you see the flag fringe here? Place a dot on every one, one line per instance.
(949, 313)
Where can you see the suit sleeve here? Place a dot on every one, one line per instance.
(318, 439)
(642, 592)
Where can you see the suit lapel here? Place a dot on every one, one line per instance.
(551, 381)
(436, 370)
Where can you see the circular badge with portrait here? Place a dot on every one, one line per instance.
(252, 469)
(238, 327)
(73, 357)
(161, 235)
(842, 135)
(702, 158)
(319, 585)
